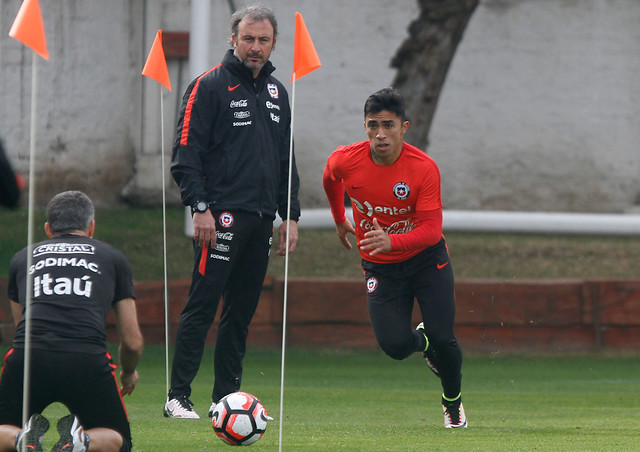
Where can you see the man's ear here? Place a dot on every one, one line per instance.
(47, 230)
(92, 228)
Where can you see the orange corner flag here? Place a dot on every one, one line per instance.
(28, 28)
(305, 58)
(156, 65)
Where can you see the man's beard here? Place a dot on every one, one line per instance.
(254, 66)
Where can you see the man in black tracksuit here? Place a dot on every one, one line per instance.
(231, 161)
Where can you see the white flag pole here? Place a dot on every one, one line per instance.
(286, 265)
(26, 382)
(164, 248)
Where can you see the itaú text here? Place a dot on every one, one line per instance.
(46, 285)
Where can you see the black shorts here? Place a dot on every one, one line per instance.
(84, 382)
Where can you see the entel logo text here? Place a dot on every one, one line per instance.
(367, 209)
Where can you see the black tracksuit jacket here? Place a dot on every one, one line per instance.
(232, 142)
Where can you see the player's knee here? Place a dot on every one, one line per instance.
(397, 350)
(443, 343)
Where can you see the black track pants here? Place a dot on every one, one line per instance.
(391, 290)
(233, 271)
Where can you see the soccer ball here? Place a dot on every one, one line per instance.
(239, 419)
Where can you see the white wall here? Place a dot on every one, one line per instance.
(539, 111)
(88, 115)
(541, 108)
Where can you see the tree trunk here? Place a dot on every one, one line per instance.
(424, 58)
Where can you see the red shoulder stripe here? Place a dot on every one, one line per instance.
(184, 135)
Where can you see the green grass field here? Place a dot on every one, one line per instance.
(364, 401)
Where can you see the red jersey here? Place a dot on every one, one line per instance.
(404, 197)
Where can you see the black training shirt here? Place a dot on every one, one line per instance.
(76, 281)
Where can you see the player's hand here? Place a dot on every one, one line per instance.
(282, 237)
(376, 240)
(128, 382)
(204, 229)
(342, 230)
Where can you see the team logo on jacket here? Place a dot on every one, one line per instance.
(273, 90)
(226, 219)
(372, 284)
(401, 190)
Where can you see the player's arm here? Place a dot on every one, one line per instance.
(334, 189)
(204, 229)
(16, 311)
(376, 240)
(131, 343)
(427, 232)
(282, 237)
(197, 114)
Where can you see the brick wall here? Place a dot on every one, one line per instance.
(542, 315)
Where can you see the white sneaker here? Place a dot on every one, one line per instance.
(30, 438)
(212, 409)
(180, 407)
(72, 436)
(454, 416)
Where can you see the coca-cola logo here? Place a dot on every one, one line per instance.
(224, 236)
(399, 227)
(238, 103)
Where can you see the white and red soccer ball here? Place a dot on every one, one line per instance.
(239, 419)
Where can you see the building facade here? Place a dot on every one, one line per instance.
(539, 110)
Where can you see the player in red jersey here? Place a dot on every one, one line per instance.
(395, 193)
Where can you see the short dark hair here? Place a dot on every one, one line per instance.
(69, 211)
(388, 99)
(255, 13)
